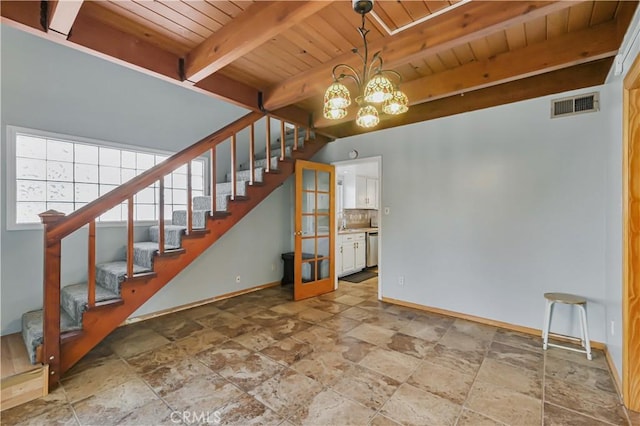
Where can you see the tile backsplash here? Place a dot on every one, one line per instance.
(357, 218)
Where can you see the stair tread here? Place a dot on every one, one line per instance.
(120, 266)
(151, 245)
(32, 329)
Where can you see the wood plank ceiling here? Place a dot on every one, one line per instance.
(453, 56)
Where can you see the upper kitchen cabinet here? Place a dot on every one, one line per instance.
(360, 192)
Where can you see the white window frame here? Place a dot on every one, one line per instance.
(11, 187)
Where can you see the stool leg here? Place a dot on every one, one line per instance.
(547, 324)
(587, 342)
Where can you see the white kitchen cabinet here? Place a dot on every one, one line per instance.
(360, 192)
(351, 255)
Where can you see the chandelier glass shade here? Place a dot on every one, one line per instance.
(367, 116)
(397, 104)
(377, 88)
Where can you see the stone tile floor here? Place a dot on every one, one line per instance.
(338, 359)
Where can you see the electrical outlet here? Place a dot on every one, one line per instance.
(238, 279)
(613, 328)
(401, 281)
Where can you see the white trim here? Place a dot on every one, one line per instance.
(10, 175)
(419, 21)
(377, 159)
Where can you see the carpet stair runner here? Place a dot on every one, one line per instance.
(111, 275)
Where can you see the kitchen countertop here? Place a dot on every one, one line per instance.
(356, 230)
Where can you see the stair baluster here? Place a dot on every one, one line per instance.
(161, 217)
(252, 165)
(282, 140)
(91, 274)
(189, 200)
(295, 138)
(234, 176)
(212, 186)
(268, 148)
(130, 237)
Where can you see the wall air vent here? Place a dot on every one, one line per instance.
(589, 102)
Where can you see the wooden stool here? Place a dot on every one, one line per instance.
(569, 299)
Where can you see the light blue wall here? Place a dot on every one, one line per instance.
(54, 88)
(493, 208)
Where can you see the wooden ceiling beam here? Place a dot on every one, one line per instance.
(466, 23)
(255, 26)
(575, 48)
(62, 15)
(571, 78)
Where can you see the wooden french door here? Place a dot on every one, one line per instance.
(315, 229)
(631, 239)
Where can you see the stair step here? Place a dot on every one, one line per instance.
(75, 299)
(172, 234)
(32, 329)
(245, 175)
(111, 274)
(198, 221)
(144, 252)
(275, 153)
(224, 188)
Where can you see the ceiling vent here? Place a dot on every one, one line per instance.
(589, 102)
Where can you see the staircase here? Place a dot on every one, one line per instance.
(77, 317)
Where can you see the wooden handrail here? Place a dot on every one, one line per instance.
(91, 211)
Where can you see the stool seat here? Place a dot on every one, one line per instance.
(567, 298)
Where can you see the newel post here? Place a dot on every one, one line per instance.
(51, 295)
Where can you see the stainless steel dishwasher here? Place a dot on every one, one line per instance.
(372, 249)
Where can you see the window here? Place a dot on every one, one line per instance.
(65, 173)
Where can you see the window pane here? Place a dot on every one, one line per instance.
(59, 171)
(106, 188)
(31, 147)
(109, 157)
(180, 196)
(146, 196)
(196, 182)
(145, 161)
(197, 168)
(31, 169)
(86, 154)
(168, 196)
(27, 212)
(128, 159)
(60, 191)
(30, 190)
(110, 175)
(179, 181)
(161, 158)
(58, 150)
(182, 169)
(86, 173)
(145, 212)
(116, 214)
(66, 208)
(86, 192)
(127, 174)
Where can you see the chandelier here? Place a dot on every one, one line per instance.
(375, 87)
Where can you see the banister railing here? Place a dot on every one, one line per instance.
(57, 226)
(84, 215)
